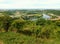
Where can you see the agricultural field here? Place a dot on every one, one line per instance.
(30, 27)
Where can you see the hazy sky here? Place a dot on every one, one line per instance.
(29, 4)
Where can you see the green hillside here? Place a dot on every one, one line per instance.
(21, 30)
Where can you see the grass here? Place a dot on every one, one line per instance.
(17, 38)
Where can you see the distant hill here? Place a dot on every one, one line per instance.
(56, 12)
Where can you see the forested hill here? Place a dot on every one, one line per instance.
(56, 12)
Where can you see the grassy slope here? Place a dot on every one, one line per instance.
(16, 38)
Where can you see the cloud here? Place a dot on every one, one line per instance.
(29, 4)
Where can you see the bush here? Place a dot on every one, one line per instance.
(17, 25)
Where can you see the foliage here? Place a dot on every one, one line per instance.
(29, 32)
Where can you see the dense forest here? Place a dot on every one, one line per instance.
(19, 30)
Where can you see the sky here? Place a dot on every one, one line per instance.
(29, 4)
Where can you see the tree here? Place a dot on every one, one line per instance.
(17, 24)
(41, 22)
(6, 22)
